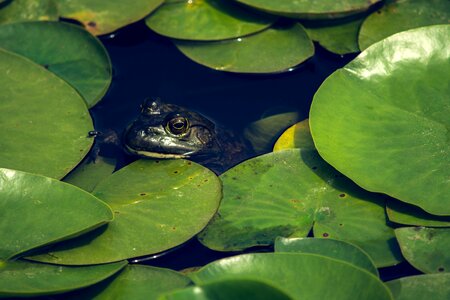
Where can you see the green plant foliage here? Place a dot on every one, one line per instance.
(425, 248)
(383, 119)
(421, 287)
(64, 49)
(336, 249)
(157, 205)
(311, 9)
(401, 15)
(296, 136)
(28, 10)
(299, 275)
(135, 282)
(283, 193)
(30, 97)
(25, 279)
(101, 17)
(278, 48)
(89, 173)
(229, 289)
(29, 204)
(263, 133)
(206, 20)
(407, 214)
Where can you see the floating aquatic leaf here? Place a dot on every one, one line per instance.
(283, 193)
(230, 289)
(25, 279)
(89, 173)
(336, 249)
(407, 214)
(400, 15)
(311, 9)
(425, 248)
(44, 123)
(296, 136)
(299, 275)
(421, 287)
(206, 20)
(101, 17)
(28, 10)
(383, 119)
(65, 49)
(157, 205)
(277, 49)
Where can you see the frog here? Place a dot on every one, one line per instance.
(168, 131)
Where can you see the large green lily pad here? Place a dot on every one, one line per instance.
(101, 17)
(425, 248)
(278, 48)
(135, 282)
(28, 10)
(29, 205)
(157, 205)
(25, 279)
(296, 136)
(301, 276)
(421, 287)
(229, 289)
(383, 119)
(65, 49)
(336, 249)
(311, 9)
(45, 122)
(407, 214)
(402, 15)
(206, 20)
(285, 193)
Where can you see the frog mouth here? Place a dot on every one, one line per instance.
(154, 154)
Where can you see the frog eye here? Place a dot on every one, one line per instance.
(178, 125)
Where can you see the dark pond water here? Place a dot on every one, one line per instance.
(146, 64)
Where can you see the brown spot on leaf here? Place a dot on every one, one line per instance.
(325, 234)
(91, 24)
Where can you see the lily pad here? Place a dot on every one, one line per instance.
(28, 10)
(135, 282)
(421, 287)
(29, 204)
(263, 133)
(25, 279)
(407, 214)
(64, 49)
(230, 289)
(89, 173)
(425, 248)
(157, 205)
(299, 275)
(206, 20)
(101, 17)
(402, 15)
(278, 48)
(296, 136)
(311, 9)
(394, 138)
(285, 193)
(44, 122)
(336, 249)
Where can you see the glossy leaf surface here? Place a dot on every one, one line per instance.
(394, 138)
(407, 214)
(101, 17)
(402, 15)
(336, 249)
(279, 48)
(320, 277)
(30, 97)
(296, 136)
(37, 210)
(421, 287)
(64, 49)
(206, 20)
(25, 279)
(28, 10)
(157, 205)
(89, 173)
(425, 248)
